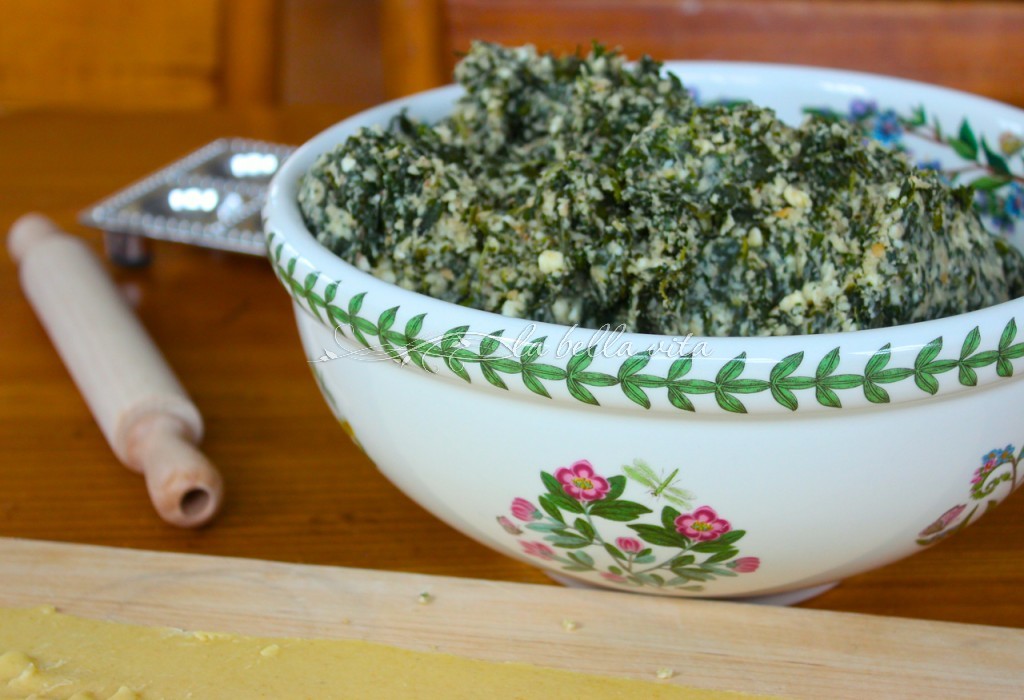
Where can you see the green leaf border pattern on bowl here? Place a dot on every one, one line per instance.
(406, 344)
(994, 168)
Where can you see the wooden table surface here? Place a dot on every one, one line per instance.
(297, 490)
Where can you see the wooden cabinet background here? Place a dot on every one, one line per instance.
(188, 54)
(195, 54)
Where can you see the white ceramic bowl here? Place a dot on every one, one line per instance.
(756, 466)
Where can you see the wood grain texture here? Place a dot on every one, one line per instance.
(709, 645)
(296, 489)
(412, 47)
(331, 52)
(250, 51)
(967, 44)
(111, 53)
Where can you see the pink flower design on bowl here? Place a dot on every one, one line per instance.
(745, 565)
(537, 549)
(524, 510)
(702, 524)
(614, 578)
(629, 545)
(944, 520)
(581, 481)
(508, 526)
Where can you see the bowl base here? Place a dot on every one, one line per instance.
(786, 598)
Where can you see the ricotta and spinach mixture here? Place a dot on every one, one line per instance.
(588, 190)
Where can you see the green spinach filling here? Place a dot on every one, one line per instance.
(588, 190)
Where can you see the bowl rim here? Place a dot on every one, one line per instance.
(739, 375)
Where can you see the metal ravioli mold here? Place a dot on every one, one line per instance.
(210, 198)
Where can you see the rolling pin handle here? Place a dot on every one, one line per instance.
(28, 232)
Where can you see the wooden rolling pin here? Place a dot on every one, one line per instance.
(142, 409)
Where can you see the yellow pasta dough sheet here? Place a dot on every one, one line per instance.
(46, 655)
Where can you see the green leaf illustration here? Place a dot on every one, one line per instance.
(414, 326)
(619, 511)
(928, 353)
(567, 541)
(842, 381)
(995, 161)
(696, 386)
(989, 183)
(1009, 333)
(891, 375)
(550, 508)
(1014, 351)
(531, 350)
(729, 402)
(584, 528)
(387, 318)
(968, 377)
(982, 359)
(457, 368)
(552, 484)
(875, 393)
(723, 555)
(635, 394)
(878, 361)
(330, 291)
(546, 526)
(613, 551)
(618, 485)
(310, 281)
(505, 365)
(355, 304)
(927, 382)
(828, 364)
(678, 399)
(582, 558)
(596, 379)
(580, 392)
(648, 381)
(680, 367)
(534, 385)
(489, 344)
(745, 386)
(732, 369)
(967, 136)
(668, 517)
(918, 116)
(971, 343)
(652, 534)
(453, 337)
(785, 367)
(1004, 368)
(785, 397)
(712, 546)
(798, 383)
(634, 364)
(681, 561)
(549, 372)
(492, 377)
(828, 398)
(581, 360)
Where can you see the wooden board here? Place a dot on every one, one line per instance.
(725, 646)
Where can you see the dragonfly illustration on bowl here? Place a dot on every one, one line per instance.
(659, 485)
